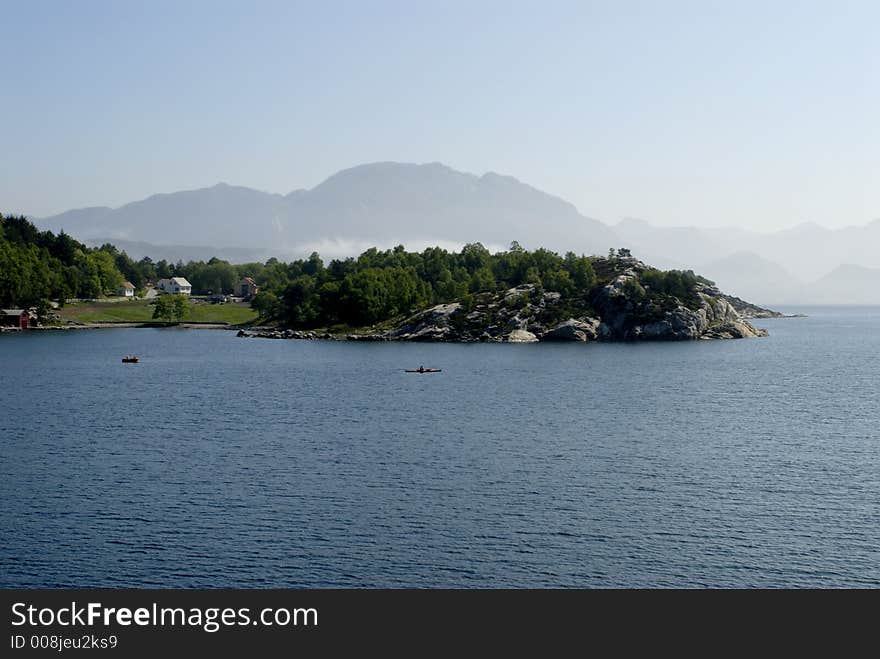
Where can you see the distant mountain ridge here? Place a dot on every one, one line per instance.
(388, 203)
(380, 203)
(848, 284)
(223, 215)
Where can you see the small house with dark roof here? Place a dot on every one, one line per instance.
(246, 288)
(15, 318)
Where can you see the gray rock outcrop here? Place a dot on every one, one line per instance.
(585, 329)
(521, 336)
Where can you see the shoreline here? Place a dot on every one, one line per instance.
(257, 331)
(124, 325)
(267, 332)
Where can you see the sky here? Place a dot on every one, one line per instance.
(761, 115)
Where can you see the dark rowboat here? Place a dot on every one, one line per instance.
(425, 370)
(129, 360)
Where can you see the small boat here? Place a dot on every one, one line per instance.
(424, 370)
(129, 359)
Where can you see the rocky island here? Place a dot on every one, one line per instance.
(623, 299)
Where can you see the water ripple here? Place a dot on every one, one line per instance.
(220, 462)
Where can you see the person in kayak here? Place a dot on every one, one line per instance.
(421, 368)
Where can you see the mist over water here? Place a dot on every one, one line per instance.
(220, 461)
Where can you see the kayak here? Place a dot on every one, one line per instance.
(129, 360)
(425, 370)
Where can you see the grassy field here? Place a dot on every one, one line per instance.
(141, 311)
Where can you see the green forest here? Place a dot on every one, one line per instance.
(379, 285)
(36, 266)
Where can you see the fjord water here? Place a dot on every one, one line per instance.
(219, 461)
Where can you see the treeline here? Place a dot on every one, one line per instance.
(38, 265)
(379, 285)
(215, 276)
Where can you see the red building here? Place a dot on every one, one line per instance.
(15, 318)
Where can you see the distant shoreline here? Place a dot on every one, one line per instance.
(775, 315)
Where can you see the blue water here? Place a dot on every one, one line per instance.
(227, 462)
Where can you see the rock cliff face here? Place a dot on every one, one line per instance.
(626, 304)
(619, 310)
(629, 311)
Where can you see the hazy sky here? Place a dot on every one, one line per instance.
(758, 114)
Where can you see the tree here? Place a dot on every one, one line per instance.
(87, 276)
(266, 304)
(65, 248)
(558, 280)
(163, 309)
(314, 266)
(129, 269)
(147, 269)
(171, 307)
(532, 276)
(108, 274)
(678, 283)
(475, 257)
(163, 270)
(634, 290)
(180, 306)
(301, 302)
(580, 269)
(215, 276)
(482, 281)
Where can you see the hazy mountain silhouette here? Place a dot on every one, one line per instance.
(808, 251)
(222, 215)
(846, 284)
(380, 203)
(753, 278)
(669, 247)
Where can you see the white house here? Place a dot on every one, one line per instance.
(176, 285)
(126, 289)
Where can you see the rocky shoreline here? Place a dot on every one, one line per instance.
(621, 309)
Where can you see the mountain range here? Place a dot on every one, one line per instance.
(385, 204)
